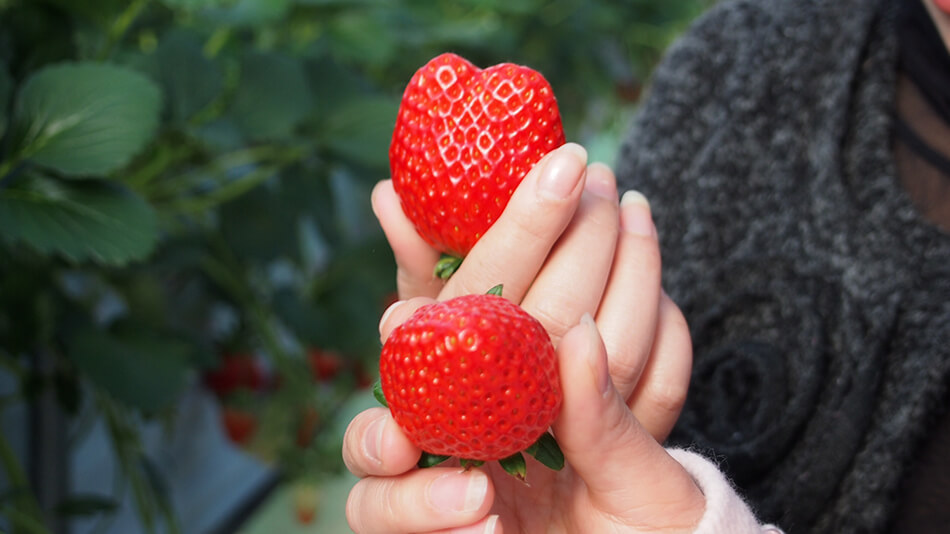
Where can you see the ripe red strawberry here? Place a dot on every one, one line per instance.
(474, 377)
(324, 364)
(306, 497)
(464, 139)
(236, 372)
(239, 425)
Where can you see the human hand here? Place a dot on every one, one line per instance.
(561, 249)
(565, 258)
(617, 478)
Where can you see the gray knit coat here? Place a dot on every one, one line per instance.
(819, 300)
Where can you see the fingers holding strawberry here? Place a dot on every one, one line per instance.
(566, 251)
(617, 477)
(561, 244)
(574, 275)
(421, 500)
(511, 252)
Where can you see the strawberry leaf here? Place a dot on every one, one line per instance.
(495, 290)
(447, 266)
(515, 466)
(378, 393)
(431, 460)
(547, 451)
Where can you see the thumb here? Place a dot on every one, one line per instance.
(626, 472)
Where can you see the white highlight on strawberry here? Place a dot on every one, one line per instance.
(446, 77)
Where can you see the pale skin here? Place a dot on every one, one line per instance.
(940, 12)
(579, 260)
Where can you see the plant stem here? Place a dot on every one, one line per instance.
(8, 166)
(27, 505)
(220, 195)
(221, 270)
(120, 26)
(128, 449)
(24, 522)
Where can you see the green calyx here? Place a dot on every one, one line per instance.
(447, 266)
(545, 450)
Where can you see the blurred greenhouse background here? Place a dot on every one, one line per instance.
(190, 272)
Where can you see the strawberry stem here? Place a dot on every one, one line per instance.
(447, 266)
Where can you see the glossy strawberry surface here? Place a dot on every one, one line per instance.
(464, 139)
(474, 377)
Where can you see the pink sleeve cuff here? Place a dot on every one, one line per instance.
(725, 509)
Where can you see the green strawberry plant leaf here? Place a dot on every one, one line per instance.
(360, 129)
(194, 4)
(191, 81)
(515, 466)
(273, 96)
(88, 220)
(547, 451)
(495, 290)
(250, 12)
(6, 89)
(84, 118)
(141, 369)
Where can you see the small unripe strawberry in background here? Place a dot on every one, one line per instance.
(475, 377)
(464, 139)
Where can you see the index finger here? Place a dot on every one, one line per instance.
(513, 250)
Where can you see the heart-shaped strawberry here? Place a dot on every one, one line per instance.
(464, 140)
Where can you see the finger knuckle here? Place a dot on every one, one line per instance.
(554, 317)
(668, 397)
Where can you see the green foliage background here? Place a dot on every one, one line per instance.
(181, 179)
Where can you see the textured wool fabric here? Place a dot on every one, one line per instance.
(818, 297)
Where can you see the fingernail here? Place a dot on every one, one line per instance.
(491, 525)
(373, 439)
(563, 171)
(600, 181)
(372, 198)
(389, 311)
(459, 491)
(635, 215)
(595, 358)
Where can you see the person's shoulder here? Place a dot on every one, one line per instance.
(749, 22)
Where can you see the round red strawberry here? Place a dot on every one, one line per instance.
(474, 377)
(464, 139)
